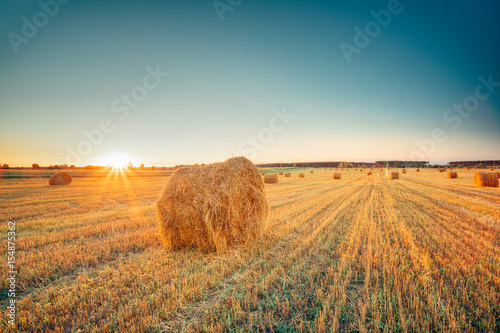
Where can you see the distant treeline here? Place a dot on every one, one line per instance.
(87, 167)
(318, 165)
(340, 164)
(344, 164)
(477, 164)
(402, 164)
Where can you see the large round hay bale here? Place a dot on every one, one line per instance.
(271, 178)
(60, 178)
(288, 174)
(337, 175)
(394, 175)
(302, 175)
(213, 207)
(281, 173)
(369, 173)
(312, 171)
(418, 170)
(486, 179)
(403, 171)
(451, 174)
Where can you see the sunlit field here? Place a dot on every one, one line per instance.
(364, 253)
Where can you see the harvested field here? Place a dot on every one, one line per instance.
(418, 254)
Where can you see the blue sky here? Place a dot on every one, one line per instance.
(227, 79)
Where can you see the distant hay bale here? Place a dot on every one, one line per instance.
(288, 174)
(312, 171)
(337, 175)
(302, 175)
(403, 171)
(394, 175)
(281, 173)
(440, 170)
(418, 170)
(486, 179)
(271, 178)
(212, 207)
(369, 173)
(491, 169)
(451, 174)
(60, 178)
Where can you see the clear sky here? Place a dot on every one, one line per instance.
(273, 80)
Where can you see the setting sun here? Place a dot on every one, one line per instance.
(117, 160)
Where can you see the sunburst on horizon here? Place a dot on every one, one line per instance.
(118, 160)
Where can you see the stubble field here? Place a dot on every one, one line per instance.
(364, 253)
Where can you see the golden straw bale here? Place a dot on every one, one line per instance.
(302, 175)
(486, 179)
(271, 178)
(337, 175)
(288, 174)
(451, 174)
(369, 173)
(403, 171)
(212, 207)
(394, 175)
(60, 178)
(418, 170)
(281, 173)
